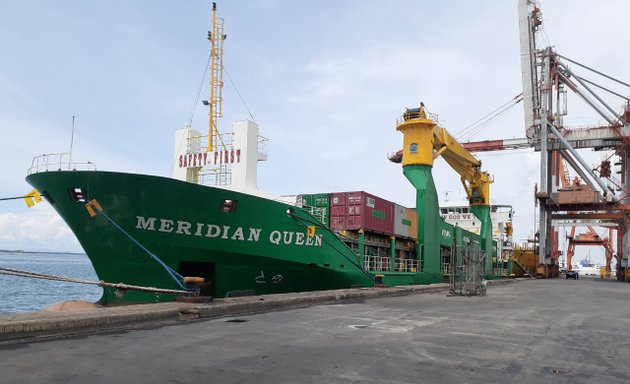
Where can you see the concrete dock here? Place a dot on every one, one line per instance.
(44, 324)
(531, 331)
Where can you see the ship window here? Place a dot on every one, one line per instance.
(228, 205)
(76, 195)
(444, 211)
(464, 210)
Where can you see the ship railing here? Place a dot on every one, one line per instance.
(447, 269)
(262, 146)
(414, 114)
(406, 265)
(376, 263)
(200, 143)
(58, 162)
(219, 175)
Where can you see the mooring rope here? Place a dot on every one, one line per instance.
(101, 283)
(11, 198)
(94, 208)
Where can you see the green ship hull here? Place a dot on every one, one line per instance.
(239, 243)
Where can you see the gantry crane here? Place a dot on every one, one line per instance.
(547, 77)
(590, 238)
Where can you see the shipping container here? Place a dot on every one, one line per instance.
(317, 204)
(405, 222)
(361, 210)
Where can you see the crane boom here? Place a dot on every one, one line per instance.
(476, 182)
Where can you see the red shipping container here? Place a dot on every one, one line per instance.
(361, 210)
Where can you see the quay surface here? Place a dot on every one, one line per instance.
(557, 330)
(41, 324)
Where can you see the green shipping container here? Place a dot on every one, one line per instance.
(318, 205)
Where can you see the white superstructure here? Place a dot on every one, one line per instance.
(458, 213)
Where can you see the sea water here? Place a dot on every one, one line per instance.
(20, 294)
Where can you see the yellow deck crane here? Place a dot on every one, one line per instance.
(424, 141)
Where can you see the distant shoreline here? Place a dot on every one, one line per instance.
(50, 252)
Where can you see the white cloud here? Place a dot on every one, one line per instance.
(37, 229)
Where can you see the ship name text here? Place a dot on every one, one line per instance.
(226, 232)
(458, 216)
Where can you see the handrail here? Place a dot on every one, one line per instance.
(58, 162)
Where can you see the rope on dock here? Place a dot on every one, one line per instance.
(102, 284)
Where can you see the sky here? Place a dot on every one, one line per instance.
(324, 80)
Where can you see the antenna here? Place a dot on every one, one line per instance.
(71, 144)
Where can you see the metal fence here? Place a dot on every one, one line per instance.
(467, 277)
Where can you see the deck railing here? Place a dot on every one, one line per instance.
(376, 263)
(406, 265)
(58, 162)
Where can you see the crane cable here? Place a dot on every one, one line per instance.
(626, 98)
(477, 126)
(594, 70)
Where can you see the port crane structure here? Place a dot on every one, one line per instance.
(424, 141)
(603, 200)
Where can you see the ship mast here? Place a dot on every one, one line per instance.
(215, 103)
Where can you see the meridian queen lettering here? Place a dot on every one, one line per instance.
(226, 232)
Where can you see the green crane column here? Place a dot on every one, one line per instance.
(482, 212)
(428, 248)
(417, 161)
(392, 253)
